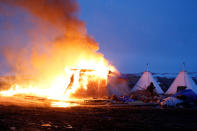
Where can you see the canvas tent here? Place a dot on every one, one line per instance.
(182, 80)
(145, 81)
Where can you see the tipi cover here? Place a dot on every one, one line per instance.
(145, 81)
(182, 79)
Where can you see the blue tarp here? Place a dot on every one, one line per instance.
(125, 99)
(190, 95)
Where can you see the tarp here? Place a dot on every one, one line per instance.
(190, 95)
(186, 96)
(125, 99)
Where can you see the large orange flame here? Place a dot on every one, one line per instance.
(65, 85)
(62, 67)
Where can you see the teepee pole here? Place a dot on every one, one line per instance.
(148, 74)
(184, 74)
(147, 67)
(183, 66)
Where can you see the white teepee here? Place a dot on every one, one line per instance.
(145, 81)
(182, 79)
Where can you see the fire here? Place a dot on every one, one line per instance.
(63, 104)
(64, 86)
(62, 66)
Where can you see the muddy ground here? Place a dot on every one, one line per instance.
(97, 118)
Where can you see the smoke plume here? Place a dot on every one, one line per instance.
(66, 49)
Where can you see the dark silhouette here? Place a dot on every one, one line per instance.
(71, 83)
(151, 89)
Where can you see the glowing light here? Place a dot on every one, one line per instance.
(63, 86)
(63, 104)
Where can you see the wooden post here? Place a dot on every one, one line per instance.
(147, 68)
(183, 66)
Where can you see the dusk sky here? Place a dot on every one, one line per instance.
(132, 33)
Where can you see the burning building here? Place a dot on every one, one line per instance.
(66, 66)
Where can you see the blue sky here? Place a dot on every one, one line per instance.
(132, 33)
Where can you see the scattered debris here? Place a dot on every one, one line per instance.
(170, 102)
(13, 128)
(68, 126)
(184, 98)
(96, 101)
(46, 125)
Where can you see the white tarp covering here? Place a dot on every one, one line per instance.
(145, 81)
(182, 79)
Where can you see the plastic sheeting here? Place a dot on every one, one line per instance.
(189, 95)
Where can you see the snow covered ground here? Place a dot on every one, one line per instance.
(173, 75)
